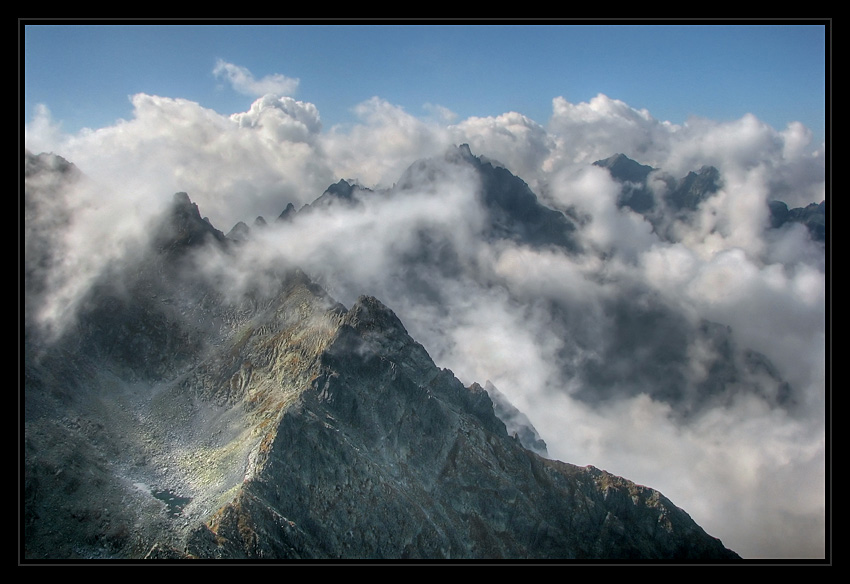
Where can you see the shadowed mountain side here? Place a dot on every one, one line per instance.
(678, 200)
(648, 349)
(384, 455)
(812, 216)
(638, 343)
(517, 423)
(513, 212)
(177, 420)
(681, 197)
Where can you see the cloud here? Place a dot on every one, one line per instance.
(43, 133)
(74, 230)
(512, 139)
(594, 130)
(592, 190)
(236, 167)
(282, 119)
(530, 319)
(243, 81)
(439, 113)
(383, 144)
(589, 131)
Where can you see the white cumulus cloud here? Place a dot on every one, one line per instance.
(243, 81)
(746, 471)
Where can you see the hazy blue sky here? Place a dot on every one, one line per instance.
(85, 74)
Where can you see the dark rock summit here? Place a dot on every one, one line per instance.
(812, 216)
(343, 193)
(239, 232)
(514, 210)
(186, 227)
(678, 200)
(517, 423)
(286, 214)
(176, 421)
(682, 197)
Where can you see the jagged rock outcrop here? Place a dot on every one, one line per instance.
(186, 228)
(681, 197)
(177, 421)
(812, 216)
(632, 175)
(343, 193)
(239, 232)
(516, 422)
(381, 454)
(286, 214)
(677, 201)
(514, 211)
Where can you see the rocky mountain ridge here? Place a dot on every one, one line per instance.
(682, 197)
(637, 322)
(177, 421)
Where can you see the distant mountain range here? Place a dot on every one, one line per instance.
(177, 420)
(681, 197)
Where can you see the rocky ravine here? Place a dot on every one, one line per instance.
(176, 422)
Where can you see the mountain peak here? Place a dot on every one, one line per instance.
(184, 227)
(287, 214)
(187, 418)
(369, 313)
(625, 169)
(35, 163)
(461, 152)
(239, 232)
(517, 424)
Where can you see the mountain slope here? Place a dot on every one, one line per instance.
(178, 418)
(494, 239)
(382, 437)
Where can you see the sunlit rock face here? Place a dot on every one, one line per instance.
(384, 455)
(176, 418)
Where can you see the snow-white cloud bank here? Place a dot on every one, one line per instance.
(749, 471)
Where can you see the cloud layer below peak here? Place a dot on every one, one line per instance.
(495, 317)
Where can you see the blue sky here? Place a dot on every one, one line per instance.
(85, 73)
(586, 90)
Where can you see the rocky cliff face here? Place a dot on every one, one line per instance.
(176, 421)
(384, 455)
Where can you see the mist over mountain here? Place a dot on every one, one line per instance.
(669, 327)
(179, 418)
(638, 344)
(678, 200)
